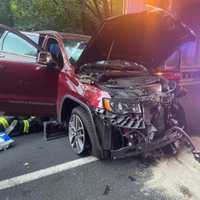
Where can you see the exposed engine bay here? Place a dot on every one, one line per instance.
(143, 114)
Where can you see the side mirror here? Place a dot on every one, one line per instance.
(45, 58)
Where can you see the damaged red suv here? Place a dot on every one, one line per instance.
(102, 88)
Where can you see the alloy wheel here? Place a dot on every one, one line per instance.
(77, 137)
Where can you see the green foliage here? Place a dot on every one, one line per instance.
(62, 15)
(5, 13)
(80, 16)
(95, 11)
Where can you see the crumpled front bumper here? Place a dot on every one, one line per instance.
(169, 138)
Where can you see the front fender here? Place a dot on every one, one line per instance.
(94, 136)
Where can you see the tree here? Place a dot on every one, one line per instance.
(80, 16)
(6, 16)
(60, 15)
(95, 11)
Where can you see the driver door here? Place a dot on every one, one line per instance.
(26, 87)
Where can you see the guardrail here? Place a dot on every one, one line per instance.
(190, 75)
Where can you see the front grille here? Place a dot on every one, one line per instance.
(128, 121)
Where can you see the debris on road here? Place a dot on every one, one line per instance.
(26, 164)
(132, 179)
(177, 177)
(107, 190)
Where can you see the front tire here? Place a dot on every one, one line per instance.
(78, 132)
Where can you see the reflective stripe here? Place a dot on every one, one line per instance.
(26, 126)
(4, 122)
(24, 121)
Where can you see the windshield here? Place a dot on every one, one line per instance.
(74, 49)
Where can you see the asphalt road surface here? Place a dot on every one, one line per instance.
(78, 180)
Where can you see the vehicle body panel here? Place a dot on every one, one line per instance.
(26, 86)
(31, 88)
(67, 81)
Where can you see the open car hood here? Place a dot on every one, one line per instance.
(147, 38)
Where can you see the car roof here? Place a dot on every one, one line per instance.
(30, 33)
(64, 35)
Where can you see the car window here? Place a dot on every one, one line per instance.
(36, 37)
(15, 44)
(32, 36)
(53, 48)
(74, 48)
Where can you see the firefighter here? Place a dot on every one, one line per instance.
(5, 123)
(16, 126)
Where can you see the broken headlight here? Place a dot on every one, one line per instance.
(121, 106)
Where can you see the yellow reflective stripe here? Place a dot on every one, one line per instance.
(4, 122)
(26, 126)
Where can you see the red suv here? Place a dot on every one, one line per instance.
(102, 88)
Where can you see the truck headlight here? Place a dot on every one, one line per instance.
(121, 106)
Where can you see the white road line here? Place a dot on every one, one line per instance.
(5, 184)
